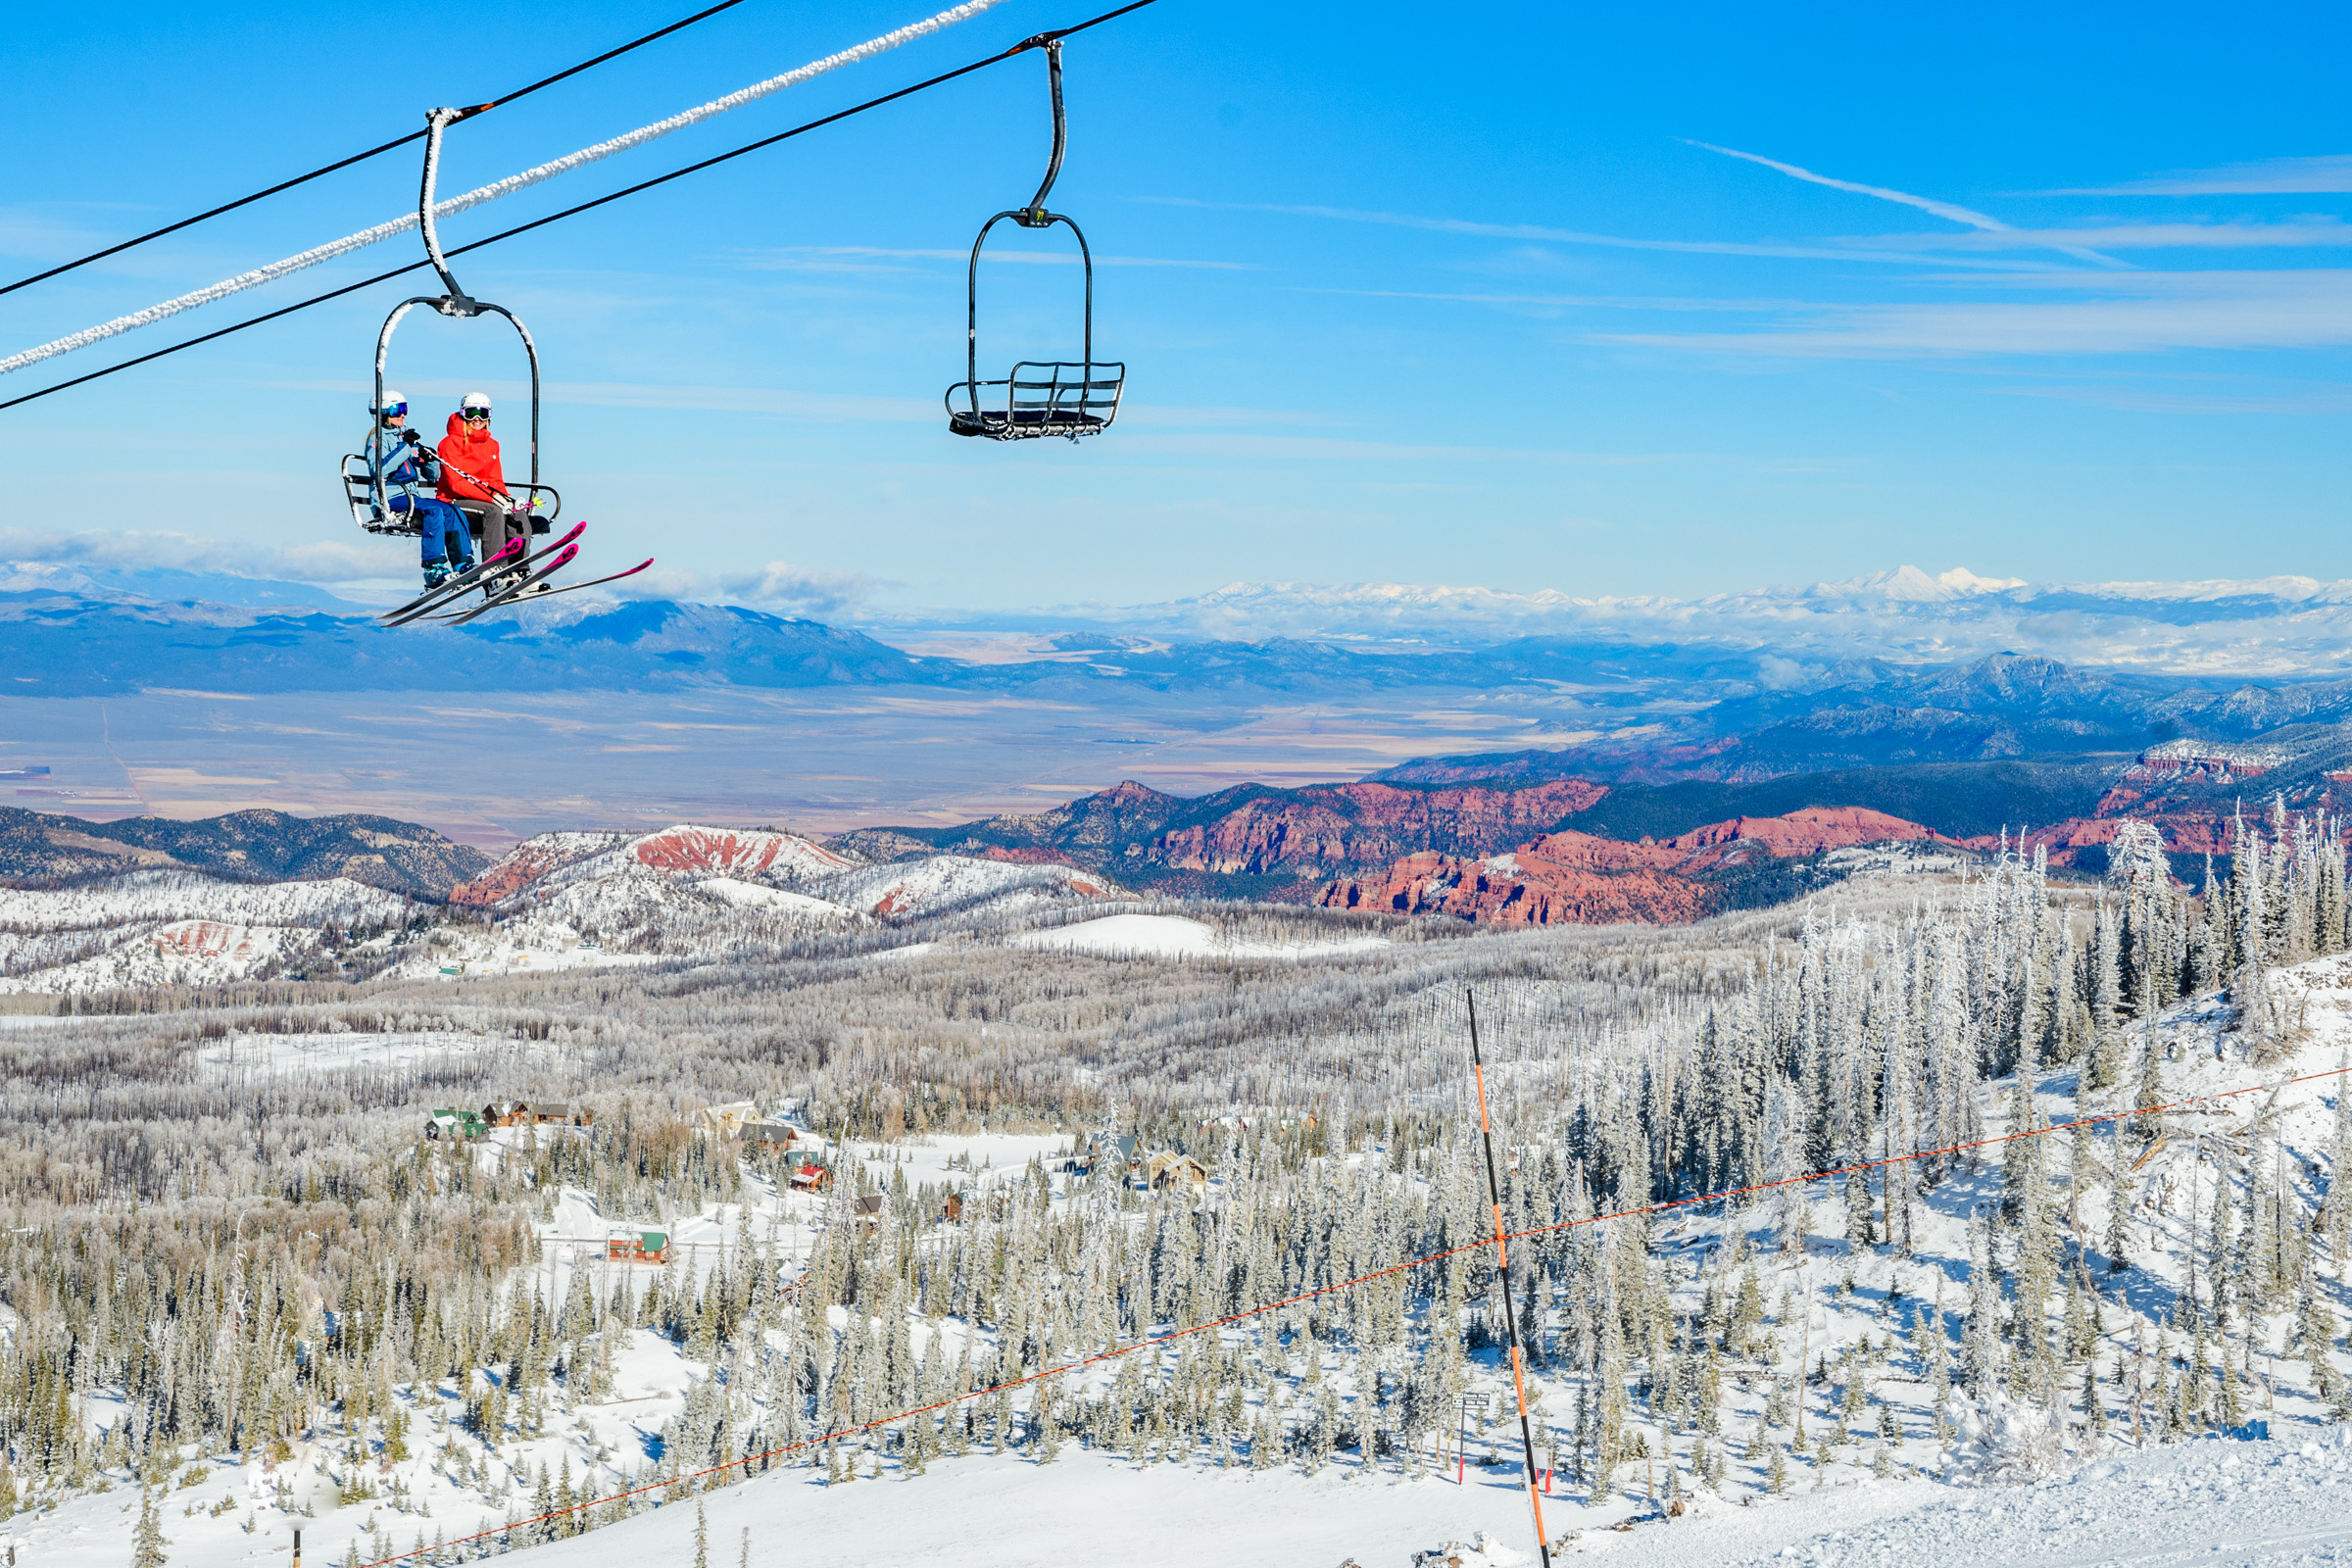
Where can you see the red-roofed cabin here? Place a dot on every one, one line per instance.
(638, 1247)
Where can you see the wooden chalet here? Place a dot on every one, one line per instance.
(810, 1178)
(1167, 1169)
(727, 1120)
(771, 1135)
(866, 1211)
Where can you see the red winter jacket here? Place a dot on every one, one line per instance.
(477, 455)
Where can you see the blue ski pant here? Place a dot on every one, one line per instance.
(442, 534)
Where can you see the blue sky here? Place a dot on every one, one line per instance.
(1643, 300)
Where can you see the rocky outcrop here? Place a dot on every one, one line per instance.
(1313, 831)
(686, 851)
(1806, 831)
(1308, 834)
(1577, 878)
(527, 862)
(1524, 888)
(2081, 842)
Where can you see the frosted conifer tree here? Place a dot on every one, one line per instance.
(147, 1542)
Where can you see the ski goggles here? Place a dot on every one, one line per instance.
(394, 411)
(475, 415)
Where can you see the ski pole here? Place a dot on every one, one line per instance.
(480, 484)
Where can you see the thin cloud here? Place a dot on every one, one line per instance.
(1951, 211)
(2303, 233)
(1537, 231)
(2327, 175)
(316, 561)
(1926, 204)
(792, 590)
(2142, 313)
(2144, 399)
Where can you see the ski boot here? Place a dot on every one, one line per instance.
(435, 575)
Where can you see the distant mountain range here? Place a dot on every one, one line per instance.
(1502, 848)
(2270, 626)
(1730, 718)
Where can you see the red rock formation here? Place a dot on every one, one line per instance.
(1323, 827)
(1524, 888)
(728, 852)
(524, 864)
(1807, 830)
(2199, 832)
(1576, 878)
(205, 939)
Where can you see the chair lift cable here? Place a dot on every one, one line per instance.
(361, 158)
(1038, 41)
(492, 192)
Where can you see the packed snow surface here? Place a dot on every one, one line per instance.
(1174, 936)
(2250, 1505)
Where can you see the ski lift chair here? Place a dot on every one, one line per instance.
(361, 472)
(1070, 398)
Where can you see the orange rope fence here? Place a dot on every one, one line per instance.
(1156, 1340)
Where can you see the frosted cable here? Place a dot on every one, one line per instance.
(492, 192)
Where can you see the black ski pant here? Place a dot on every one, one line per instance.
(496, 522)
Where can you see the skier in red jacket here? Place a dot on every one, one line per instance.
(472, 479)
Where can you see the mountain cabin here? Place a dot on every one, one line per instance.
(727, 1120)
(1167, 1169)
(638, 1247)
(454, 1122)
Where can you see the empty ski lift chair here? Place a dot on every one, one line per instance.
(362, 482)
(1069, 398)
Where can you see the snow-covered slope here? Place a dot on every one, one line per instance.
(684, 852)
(699, 891)
(949, 883)
(746, 867)
(560, 901)
(1172, 936)
(153, 928)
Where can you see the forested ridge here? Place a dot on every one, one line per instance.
(203, 1262)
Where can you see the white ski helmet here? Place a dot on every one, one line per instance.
(394, 402)
(475, 400)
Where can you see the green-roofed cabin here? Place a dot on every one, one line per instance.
(454, 1122)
